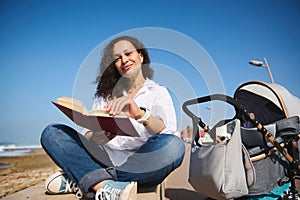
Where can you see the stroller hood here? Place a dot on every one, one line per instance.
(275, 101)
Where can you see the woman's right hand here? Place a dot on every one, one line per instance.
(124, 104)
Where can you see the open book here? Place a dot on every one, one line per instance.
(97, 119)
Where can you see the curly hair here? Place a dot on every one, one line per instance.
(109, 76)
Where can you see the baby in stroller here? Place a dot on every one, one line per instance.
(267, 126)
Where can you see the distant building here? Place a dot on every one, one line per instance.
(186, 134)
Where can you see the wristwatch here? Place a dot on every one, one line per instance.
(146, 116)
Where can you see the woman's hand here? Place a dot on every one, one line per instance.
(125, 104)
(101, 137)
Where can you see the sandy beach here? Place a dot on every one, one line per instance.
(24, 171)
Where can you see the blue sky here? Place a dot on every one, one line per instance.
(45, 46)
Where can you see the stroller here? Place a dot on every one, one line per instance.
(252, 153)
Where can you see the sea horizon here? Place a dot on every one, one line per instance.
(14, 149)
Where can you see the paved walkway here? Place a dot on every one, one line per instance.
(175, 187)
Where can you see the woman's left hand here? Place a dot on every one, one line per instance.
(124, 104)
(101, 137)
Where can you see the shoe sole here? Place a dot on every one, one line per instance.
(49, 181)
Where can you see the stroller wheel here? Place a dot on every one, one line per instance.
(290, 196)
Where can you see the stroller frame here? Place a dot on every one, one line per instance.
(287, 146)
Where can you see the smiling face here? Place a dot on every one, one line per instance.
(126, 59)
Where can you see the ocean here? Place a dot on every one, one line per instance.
(9, 150)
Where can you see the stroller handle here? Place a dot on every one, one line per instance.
(219, 97)
(240, 110)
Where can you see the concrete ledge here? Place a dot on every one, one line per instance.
(151, 193)
(37, 192)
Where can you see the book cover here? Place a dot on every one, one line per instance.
(95, 120)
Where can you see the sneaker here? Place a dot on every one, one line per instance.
(115, 190)
(59, 183)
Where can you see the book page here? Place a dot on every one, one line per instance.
(71, 103)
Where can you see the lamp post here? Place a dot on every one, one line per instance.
(262, 64)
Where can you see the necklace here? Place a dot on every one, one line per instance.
(132, 92)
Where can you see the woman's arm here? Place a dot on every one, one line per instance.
(154, 125)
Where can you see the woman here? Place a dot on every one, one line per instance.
(107, 165)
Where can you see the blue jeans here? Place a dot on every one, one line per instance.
(87, 163)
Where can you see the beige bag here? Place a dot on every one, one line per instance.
(222, 170)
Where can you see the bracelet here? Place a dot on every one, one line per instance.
(148, 122)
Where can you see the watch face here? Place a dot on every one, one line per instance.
(143, 108)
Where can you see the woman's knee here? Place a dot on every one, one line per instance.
(175, 143)
(51, 133)
(48, 132)
(174, 148)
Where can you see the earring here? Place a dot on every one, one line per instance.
(142, 59)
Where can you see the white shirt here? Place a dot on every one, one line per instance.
(153, 97)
